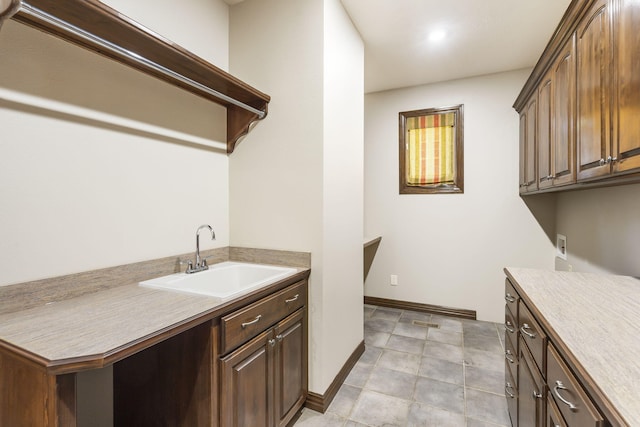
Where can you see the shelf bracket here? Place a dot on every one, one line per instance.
(12, 7)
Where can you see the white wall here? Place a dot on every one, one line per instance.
(449, 250)
(79, 194)
(602, 227)
(286, 190)
(343, 191)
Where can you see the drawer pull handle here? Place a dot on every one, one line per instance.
(560, 386)
(508, 355)
(254, 321)
(287, 301)
(508, 387)
(509, 327)
(527, 333)
(509, 297)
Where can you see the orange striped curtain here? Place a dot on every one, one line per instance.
(430, 149)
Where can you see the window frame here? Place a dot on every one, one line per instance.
(458, 184)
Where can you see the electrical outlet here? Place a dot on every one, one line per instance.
(561, 246)
(394, 280)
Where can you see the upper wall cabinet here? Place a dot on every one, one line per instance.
(97, 27)
(586, 87)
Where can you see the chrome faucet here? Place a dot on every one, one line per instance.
(201, 264)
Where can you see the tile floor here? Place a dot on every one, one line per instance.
(421, 370)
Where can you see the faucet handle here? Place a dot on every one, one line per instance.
(189, 264)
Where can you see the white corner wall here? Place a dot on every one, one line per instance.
(450, 250)
(286, 190)
(602, 227)
(80, 194)
(343, 190)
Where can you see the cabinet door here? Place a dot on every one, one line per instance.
(544, 133)
(290, 367)
(246, 384)
(530, 144)
(523, 153)
(593, 41)
(564, 81)
(531, 402)
(626, 128)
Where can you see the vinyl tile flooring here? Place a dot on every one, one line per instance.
(421, 370)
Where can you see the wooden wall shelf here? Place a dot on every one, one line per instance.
(101, 29)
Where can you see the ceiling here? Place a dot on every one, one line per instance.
(480, 37)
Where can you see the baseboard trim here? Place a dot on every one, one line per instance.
(424, 308)
(320, 402)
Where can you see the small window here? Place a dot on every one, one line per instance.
(431, 151)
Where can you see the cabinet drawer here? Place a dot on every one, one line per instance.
(511, 358)
(511, 393)
(242, 325)
(573, 402)
(533, 336)
(511, 328)
(511, 297)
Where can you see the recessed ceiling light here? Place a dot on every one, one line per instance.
(437, 35)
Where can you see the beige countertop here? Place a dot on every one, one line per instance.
(88, 330)
(598, 318)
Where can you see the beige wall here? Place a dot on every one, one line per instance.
(602, 227)
(449, 250)
(297, 184)
(80, 193)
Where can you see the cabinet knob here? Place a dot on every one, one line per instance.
(508, 387)
(272, 342)
(509, 297)
(524, 330)
(509, 356)
(537, 395)
(560, 386)
(612, 159)
(602, 162)
(279, 337)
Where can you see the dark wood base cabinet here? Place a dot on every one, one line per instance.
(245, 368)
(540, 389)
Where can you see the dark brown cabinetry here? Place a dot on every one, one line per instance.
(528, 144)
(593, 48)
(586, 90)
(540, 388)
(245, 368)
(263, 383)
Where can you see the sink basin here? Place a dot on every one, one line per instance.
(223, 281)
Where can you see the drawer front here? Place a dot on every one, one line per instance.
(510, 358)
(511, 328)
(511, 297)
(533, 336)
(573, 402)
(511, 394)
(244, 324)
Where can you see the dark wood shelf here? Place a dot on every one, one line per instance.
(101, 21)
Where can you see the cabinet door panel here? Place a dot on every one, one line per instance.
(564, 78)
(544, 133)
(246, 384)
(627, 66)
(291, 361)
(531, 146)
(592, 98)
(531, 402)
(523, 153)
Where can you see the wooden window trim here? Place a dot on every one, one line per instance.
(458, 186)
